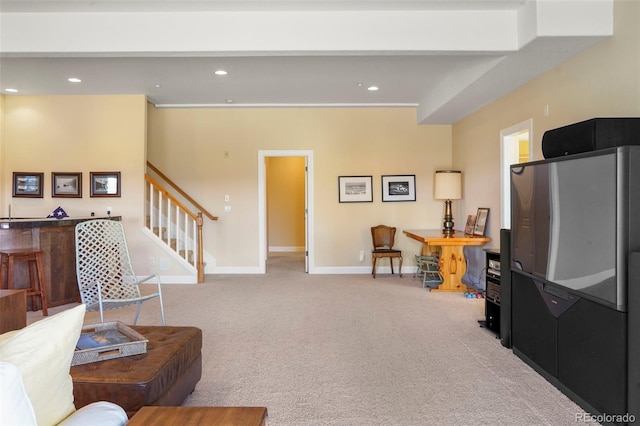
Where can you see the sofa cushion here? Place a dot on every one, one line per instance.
(100, 413)
(15, 407)
(42, 352)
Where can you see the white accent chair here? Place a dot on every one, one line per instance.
(103, 266)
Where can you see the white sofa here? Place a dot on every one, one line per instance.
(35, 385)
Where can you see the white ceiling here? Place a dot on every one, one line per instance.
(447, 58)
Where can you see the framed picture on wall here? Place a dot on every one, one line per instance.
(66, 185)
(399, 188)
(27, 184)
(105, 184)
(355, 189)
(481, 221)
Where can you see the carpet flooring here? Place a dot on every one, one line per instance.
(352, 350)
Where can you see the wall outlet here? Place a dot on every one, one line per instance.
(108, 211)
(361, 255)
(227, 208)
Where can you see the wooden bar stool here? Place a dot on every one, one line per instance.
(9, 257)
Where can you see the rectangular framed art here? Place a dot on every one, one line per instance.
(399, 188)
(27, 184)
(105, 184)
(471, 223)
(66, 185)
(355, 189)
(481, 221)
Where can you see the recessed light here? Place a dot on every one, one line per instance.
(74, 80)
(12, 90)
(229, 101)
(359, 84)
(158, 86)
(372, 88)
(220, 72)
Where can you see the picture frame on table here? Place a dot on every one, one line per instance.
(28, 184)
(481, 221)
(355, 189)
(398, 188)
(105, 184)
(471, 223)
(66, 185)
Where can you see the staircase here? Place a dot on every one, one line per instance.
(173, 223)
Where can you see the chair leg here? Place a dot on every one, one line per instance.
(41, 287)
(135, 319)
(373, 269)
(400, 267)
(391, 262)
(162, 311)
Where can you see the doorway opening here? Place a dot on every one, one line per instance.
(285, 207)
(515, 147)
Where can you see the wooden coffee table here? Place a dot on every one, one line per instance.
(211, 416)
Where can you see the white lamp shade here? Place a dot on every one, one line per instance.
(448, 185)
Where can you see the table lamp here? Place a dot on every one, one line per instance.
(448, 186)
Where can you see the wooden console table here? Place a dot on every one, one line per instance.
(452, 262)
(13, 310)
(211, 416)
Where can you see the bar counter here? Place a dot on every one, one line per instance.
(56, 238)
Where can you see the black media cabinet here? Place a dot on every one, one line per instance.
(493, 291)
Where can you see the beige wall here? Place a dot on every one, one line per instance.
(285, 203)
(213, 152)
(78, 134)
(3, 201)
(603, 81)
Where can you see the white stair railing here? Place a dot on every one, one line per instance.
(175, 225)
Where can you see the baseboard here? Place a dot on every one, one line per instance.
(360, 270)
(176, 279)
(286, 249)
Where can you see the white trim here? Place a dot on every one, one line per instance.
(353, 270)
(237, 270)
(175, 279)
(508, 156)
(286, 249)
(262, 203)
(292, 105)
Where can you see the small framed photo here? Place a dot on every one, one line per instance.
(471, 223)
(105, 184)
(355, 189)
(27, 184)
(66, 185)
(399, 188)
(481, 221)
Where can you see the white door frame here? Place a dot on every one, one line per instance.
(509, 147)
(262, 204)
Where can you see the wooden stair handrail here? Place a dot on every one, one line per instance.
(164, 192)
(181, 192)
